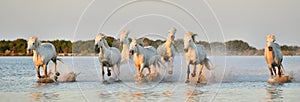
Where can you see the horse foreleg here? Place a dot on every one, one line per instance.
(194, 71)
(118, 72)
(45, 70)
(149, 73)
(102, 68)
(188, 73)
(279, 71)
(171, 65)
(37, 68)
(200, 72)
(271, 72)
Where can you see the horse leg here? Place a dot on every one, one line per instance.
(188, 73)
(274, 70)
(200, 72)
(194, 71)
(118, 72)
(45, 70)
(171, 65)
(55, 64)
(37, 68)
(149, 73)
(102, 68)
(279, 71)
(271, 72)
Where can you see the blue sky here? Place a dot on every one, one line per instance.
(212, 20)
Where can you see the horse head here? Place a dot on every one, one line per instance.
(98, 41)
(172, 32)
(124, 37)
(189, 39)
(32, 44)
(133, 47)
(270, 42)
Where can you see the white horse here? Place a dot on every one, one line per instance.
(273, 56)
(144, 57)
(167, 50)
(42, 54)
(124, 41)
(108, 57)
(194, 54)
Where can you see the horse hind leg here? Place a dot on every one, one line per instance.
(55, 65)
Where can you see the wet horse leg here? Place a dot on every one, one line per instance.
(55, 64)
(45, 70)
(102, 68)
(37, 68)
(194, 71)
(200, 72)
(171, 65)
(188, 73)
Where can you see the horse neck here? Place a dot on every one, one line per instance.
(193, 45)
(139, 49)
(125, 47)
(104, 49)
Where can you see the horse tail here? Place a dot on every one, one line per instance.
(60, 59)
(206, 63)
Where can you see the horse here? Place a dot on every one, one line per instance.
(273, 56)
(194, 54)
(42, 54)
(144, 57)
(124, 41)
(167, 49)
(108, 57)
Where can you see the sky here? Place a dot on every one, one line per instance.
(212, 20)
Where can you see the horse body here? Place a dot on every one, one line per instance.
(167, 50)
(42, 54)
(194, 54)
(108, 57)
(144, 57)
(273, 56)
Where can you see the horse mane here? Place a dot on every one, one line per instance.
(37, 41)
(103, 36)
(190, 34)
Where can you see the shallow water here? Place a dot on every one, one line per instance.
(234, 78)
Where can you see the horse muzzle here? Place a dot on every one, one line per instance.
(131, 52)
(185, 50)
(97, 49)
(270, 48)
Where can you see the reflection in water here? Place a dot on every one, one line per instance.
(274, 93)
(39, 96)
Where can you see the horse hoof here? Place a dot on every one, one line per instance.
(118, 80)
(170, 72)
(109, 73)
(193, 74)
(187, 81)
(105, 82)
(57, 73)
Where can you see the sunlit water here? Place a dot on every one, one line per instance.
(233, 78)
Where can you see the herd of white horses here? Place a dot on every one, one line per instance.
(146, 56)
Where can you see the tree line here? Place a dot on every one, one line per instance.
(64, 47)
